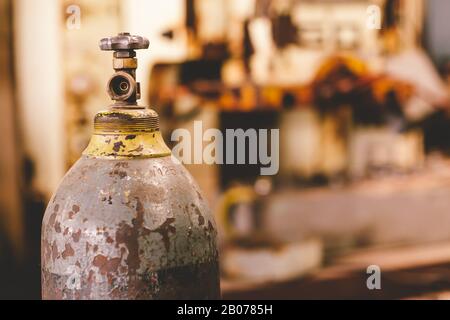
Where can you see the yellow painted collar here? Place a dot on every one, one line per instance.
(126, 133)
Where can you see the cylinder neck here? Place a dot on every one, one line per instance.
(124, 133)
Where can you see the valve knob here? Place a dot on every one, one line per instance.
(124, 41)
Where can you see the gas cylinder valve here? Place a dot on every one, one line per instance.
(122, 86)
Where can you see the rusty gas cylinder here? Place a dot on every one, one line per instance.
(127, 221)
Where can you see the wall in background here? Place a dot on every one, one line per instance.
(40, 91)
(437, 29)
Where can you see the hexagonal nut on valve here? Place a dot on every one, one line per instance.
(124, 41)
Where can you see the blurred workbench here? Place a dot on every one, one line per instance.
(399, 222)
(390, 209)
(412, 272)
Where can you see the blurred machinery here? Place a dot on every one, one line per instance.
(316, 71)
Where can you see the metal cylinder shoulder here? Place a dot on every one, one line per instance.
(128, 229)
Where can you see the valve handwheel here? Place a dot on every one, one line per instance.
(124, 41)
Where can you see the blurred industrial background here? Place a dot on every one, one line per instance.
(358, 88)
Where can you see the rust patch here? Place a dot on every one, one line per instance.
(111, 116)
(55, 252)
(75, 210)
(76, 236)
(68, 251)
(201, 219)
(106, 265)
(58, 227)
(210, 227)
(164, 230)
(209, 230)
(130, 137)
(47, 250)
(129, 236)
(118, 145)
(52, 219)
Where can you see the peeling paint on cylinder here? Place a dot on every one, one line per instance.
(129, 229)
